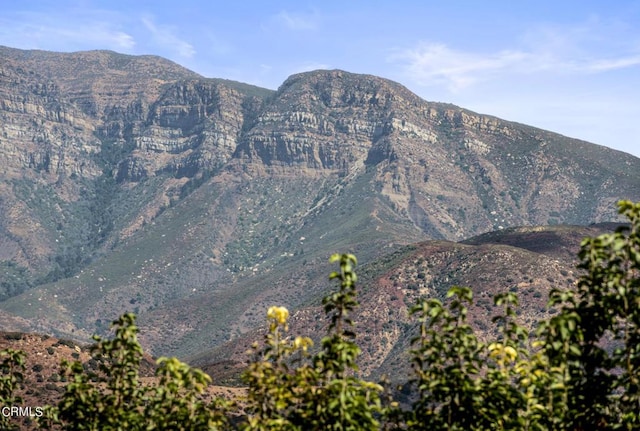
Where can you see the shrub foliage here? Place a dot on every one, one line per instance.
(580, 370)
(11, 375)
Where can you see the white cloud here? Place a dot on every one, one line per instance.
(96, 34)
(436, 63)
(296, 21)
(265, 68)
(124, 40)
(615, 63)
(165, 36)
(581, 81)
(550, 50)
(83, 30)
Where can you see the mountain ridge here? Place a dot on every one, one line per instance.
(164, 191)
(521, 260)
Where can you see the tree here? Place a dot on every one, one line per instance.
(322, 393)
(11, 369)
(595, 339)
(581, 371)
(115, 399)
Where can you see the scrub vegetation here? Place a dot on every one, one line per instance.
(579, 370)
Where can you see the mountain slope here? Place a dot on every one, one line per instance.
(520, 260)
(135, 184)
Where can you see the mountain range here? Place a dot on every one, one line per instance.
(130, 183)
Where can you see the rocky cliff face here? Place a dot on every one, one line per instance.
(71, 124)
(132, 183)
(194, 126)
(328, 120)
(40, 130)
(451, 171)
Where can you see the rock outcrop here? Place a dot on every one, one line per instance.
(131, 183)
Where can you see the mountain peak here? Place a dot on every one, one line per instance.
(132, 183)
(338, 87)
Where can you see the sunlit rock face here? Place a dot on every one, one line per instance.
(130, 183)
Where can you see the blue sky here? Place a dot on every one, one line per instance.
(572, 67)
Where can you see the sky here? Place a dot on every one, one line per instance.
(571, 66)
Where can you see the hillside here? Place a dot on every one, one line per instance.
(44, 380)
(527, 261)
(131, 183)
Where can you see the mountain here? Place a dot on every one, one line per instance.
(528, 261)
(131, 183)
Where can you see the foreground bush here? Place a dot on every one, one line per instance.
(322, 392)
(11, 369)
(579, 371)
(113, 398)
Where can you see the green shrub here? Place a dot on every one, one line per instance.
(11, 376)
(595, 337)
(321, 392)
(581, 371)
(114, 398)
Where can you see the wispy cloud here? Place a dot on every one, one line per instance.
(551, 51)
(214, 44)
(437, 64)
(87, 29)
(612, 64)
(296, 20)
(309, 66)
(166, 37)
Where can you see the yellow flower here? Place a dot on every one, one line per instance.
(495, 349)
(373, 386)
(279, 314)
(510, 353)
(302, 342)
(502, 353)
